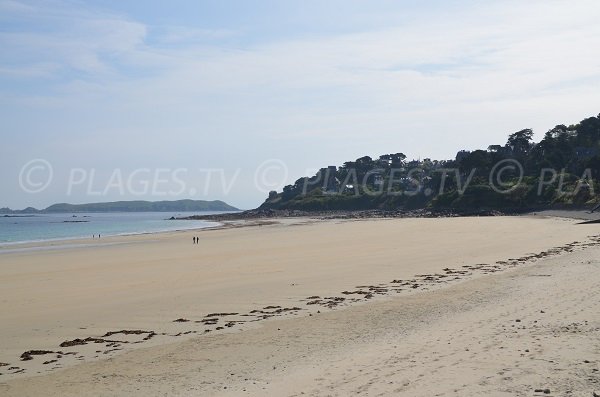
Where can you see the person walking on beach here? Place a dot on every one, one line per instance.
(194, 239)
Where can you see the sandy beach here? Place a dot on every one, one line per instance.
(447, 306)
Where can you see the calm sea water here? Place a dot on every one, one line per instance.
(16, 229)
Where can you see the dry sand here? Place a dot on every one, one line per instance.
(431, 326)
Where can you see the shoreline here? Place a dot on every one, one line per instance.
(504, 322)
(140, 229)
(262, 213)
(267, 213)
(295, 297)
(56, 243)
(71, 242)
(250, 217)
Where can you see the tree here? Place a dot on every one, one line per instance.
(520, 141)
(479, 160)
(559, 131)
(570, 150)
(588, 132)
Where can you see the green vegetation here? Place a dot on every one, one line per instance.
(563, 169)
(131, 206)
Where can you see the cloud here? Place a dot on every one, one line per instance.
(11, 6)
(429, 85)
(75, 39)
(183, 35)
(485, 52)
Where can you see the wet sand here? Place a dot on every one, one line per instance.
(294, 307)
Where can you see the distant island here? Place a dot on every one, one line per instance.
(128, 206)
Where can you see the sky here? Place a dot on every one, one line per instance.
(125, 100)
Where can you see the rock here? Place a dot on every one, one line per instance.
(28, 355)
(74, 342)
(220, 314)
(127, 332)
(261, 213)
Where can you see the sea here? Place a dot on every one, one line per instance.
(16, 229)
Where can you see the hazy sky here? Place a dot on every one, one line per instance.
(228, 99)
